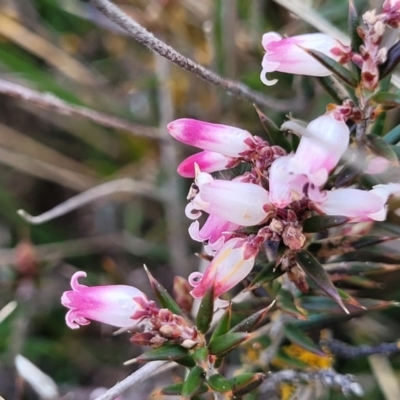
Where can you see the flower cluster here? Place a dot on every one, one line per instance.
(276, 194)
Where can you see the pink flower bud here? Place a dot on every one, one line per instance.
(241, 203)
(117, 305)
(223, 139)
(208, 161)
(286, 54)
(323, 143)
(229, 267)
(359, 205)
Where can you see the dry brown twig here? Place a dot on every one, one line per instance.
(146, 38)
(51, 102)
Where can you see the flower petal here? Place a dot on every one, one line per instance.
(227, 140)
(208, 161)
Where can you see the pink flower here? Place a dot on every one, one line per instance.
(285, 186)
(231, 265)
(117, 305)
(322, 144)
(286, 55)
(359, 205)
(214, 232)
(241, 203)
(208, 161)
(223, 139)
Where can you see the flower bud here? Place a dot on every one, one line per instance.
(223, 139)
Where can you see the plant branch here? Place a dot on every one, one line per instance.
(51, 102)
(146, 38)
(344, 350)
(125, 185)
(148, 370)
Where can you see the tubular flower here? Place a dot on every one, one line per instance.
(214, 232)
(321, 146)
(286, 54)
(231, 265)
(223, 139)
(359, 205)
(117, 305)
(241, 203)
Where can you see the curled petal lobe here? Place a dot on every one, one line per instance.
(214, 232)
(286, 54)
(118, 305)
(226, 270)
(223, 139)
(208, 161)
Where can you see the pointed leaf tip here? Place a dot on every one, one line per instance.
(206, 311)
(163, 296)
(316, 272)
(337, 69)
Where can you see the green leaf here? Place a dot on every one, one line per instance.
(200, 355)
(349, 268)
(206, 311)
(285, 302)
(176, 389)
(193, 382)
(250, 323)
(316, 272)
(337, 69)
(269, 272)
(163, 296)
(245, 383)
(219, 383)
(331, 85)
(344, 244)
(393, 136)
(186, 361)
(274, 136)
(347, 174)
(224, 323)
(297, 336)
(320, 304)
(393, 58)
(353, 24)
(380, 148)
(319, 223)
(387, 99)
(224, 344)
(172, 390)
(378, 125)
(168, 352)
